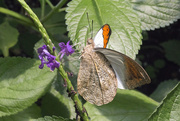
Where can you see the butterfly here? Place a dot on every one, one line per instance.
(103, 70)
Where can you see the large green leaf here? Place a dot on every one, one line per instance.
(163, 89)
(21, 83)
(128, 105)
(169, 110)
(8, 37)
(156, 13)
(32, 112)
(126, 30)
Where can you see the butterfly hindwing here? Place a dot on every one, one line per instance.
(96, 81)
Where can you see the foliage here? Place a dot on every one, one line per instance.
(6, 40)
(28, 93)
(156, 13)
(169, 109)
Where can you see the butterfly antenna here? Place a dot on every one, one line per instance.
(89, 25)
(92, 30)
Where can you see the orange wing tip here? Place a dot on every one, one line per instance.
(106, 34)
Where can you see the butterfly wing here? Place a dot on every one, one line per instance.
(102, 37)
(96, 81)
(129, 73)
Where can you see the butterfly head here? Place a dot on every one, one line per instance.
(90, 41)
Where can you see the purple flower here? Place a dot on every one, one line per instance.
(65, 49)
(47, 58)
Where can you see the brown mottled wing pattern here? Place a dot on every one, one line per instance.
(135, 75)
(96, 79)
(131, 73)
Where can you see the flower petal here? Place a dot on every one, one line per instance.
(65, 49)
(47, 58)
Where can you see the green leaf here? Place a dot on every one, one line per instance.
(128, 105)
(32, 112)
(8, 37)
(163, 89)
(22, 83)
(169, 110)
(53, 118)
(126, 29)
(172, 50)
(54, 103)
(156, 13)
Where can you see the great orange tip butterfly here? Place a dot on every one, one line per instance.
(103, 70)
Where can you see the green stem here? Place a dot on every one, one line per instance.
(50, 4)
(61, 9)
(42, 7)
(55, 9)
(16, 15)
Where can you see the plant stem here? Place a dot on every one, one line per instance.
(50, 4)
(42, 8)
(55, 9)
(16, 15)
(70, 87)
(62, 9)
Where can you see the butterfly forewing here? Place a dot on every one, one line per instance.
(96, 82)
(102, 37)
(135, 74)
(131, 74)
